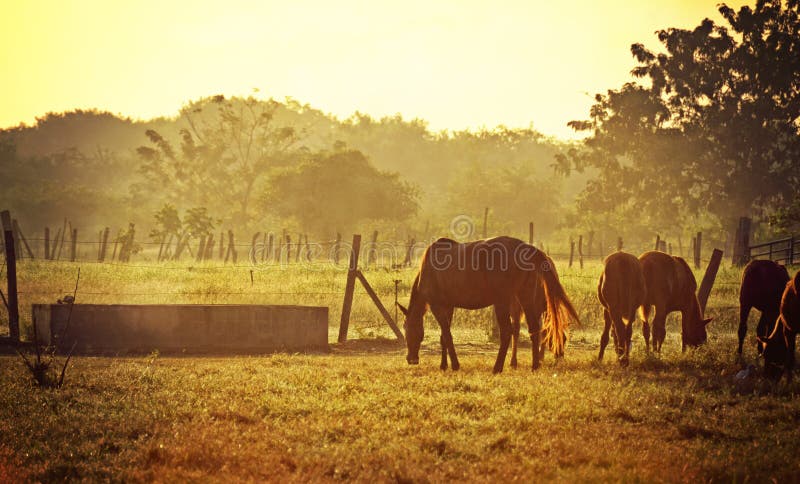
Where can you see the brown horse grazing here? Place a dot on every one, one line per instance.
(779, 346)
(493, 272)
(763, 282)
(671, 286)
(622, 292)
(516, 319)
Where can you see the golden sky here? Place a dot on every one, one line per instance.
(457, 64)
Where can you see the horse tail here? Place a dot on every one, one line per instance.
(559, 310)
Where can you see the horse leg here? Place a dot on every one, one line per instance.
(515, 323)
(621, 341)
(444, 316)
(744, 311)
(443, 343)
(629, 336)
(646, 330)
(762, 330)
(534, 319)
(791, 338)
(659, 328)
(604, 336)
(504, 323)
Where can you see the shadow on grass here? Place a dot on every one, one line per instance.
(360, 347)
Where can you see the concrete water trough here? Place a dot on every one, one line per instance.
(191, 328)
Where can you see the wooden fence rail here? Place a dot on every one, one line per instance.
(785, 250)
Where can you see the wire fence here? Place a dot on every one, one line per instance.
(277, 278)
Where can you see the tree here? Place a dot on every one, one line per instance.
(514, 194)
(227, 149)
(334, 191)
(715, 127)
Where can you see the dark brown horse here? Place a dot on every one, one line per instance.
(779, 346)
(671, 286)
(493, 272)
(622, 292)
(763, 282)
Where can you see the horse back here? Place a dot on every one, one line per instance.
(669, 280)
(763, 282)
(622, 286)
(473, 274)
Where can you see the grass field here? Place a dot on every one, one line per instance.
(359, 412)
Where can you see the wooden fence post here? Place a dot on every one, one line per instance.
(20, 237)
(167, 247)
(347, 305)
(209, 251)
(662, 246)
(698, 248)
(410, 252)
(658, 242)
(619, 244)
(372, 248)
(708, 279)
(376, 300)
(201, 249)
(46, 243)
(160, 247)
(221, 250)
(270, 240)
(278, 246)
(299, 244)
(116, 243)
(669, 249)
(288, 249)
(571, 250)
(485, 220)
(73, 246)
(264, 250)
(11, 276)
(580, 250)
(253, 246)
(308, 249)
(182, 243)
(17, 245)
(741, 244)
(530, 233)
(336, 246)
(231, 254)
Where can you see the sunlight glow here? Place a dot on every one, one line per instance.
(456, 64)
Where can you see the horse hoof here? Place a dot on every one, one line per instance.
(456, 367)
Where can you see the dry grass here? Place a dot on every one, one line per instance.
(361, 413)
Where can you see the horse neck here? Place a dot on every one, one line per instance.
(417, 305)
(693, 310)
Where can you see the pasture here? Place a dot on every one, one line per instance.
(360, 412)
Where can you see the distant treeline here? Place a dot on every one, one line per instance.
(254, 164)
(710, 135)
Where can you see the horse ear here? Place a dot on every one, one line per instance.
(402, 309)
(706, 321)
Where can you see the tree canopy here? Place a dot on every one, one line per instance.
(713, 126)
(332, 191)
